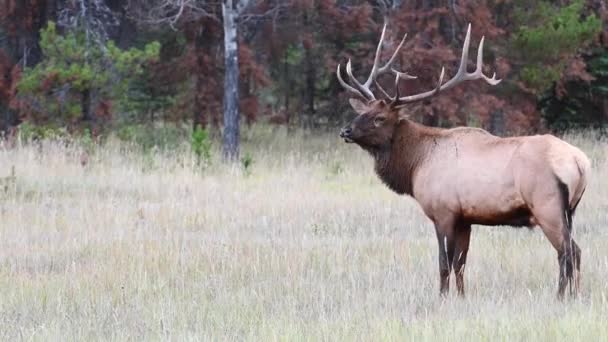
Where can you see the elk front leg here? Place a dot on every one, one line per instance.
(445, 239)
(461, 248)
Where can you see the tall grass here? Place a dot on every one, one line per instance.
(116, 243)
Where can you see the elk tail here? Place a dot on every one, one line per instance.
(573, 209)
(583, 165)
(565, 194)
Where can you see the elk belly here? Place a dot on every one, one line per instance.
(517, 215)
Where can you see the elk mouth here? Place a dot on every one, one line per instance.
(346, 135)
(348, 140)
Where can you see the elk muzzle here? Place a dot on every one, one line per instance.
(346, 134)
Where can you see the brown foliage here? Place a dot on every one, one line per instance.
(104, 110)
(10, 76)
(21, 15)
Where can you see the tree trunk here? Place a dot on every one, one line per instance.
(85, 102)
(310, 81)
(286, 86)
(198, 118)
(231, 83)
(286, 93)
(5, 123)
(200, 78)
(310, 71)
(497, 123)
(603, 117)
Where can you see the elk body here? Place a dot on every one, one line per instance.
(466, 176)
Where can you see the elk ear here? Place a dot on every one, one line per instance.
(359, 106)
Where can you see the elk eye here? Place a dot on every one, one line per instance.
(379, 120)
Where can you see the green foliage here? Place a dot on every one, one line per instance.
(562, 114)
(29, 132)
(247, 163)
(546, 34)
(87, 140)
(294, 55)
(539, 76)
(150, 94)
(143, 99)
(582, 107)
(598, 67)
(149, 137)
(201, 144)
(72, 67)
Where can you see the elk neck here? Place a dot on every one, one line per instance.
(397, 164)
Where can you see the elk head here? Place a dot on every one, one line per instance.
(377, 118)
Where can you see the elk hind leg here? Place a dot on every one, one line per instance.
(570, 259)
(461, 248)
(555, 219)
(569, 268)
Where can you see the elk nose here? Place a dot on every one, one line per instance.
(345, 132)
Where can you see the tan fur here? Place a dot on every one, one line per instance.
(466, 176)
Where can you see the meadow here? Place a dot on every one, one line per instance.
(299, 242)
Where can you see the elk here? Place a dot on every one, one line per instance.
(464, 176)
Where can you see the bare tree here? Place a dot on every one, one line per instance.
(231, 13)
(231, 137)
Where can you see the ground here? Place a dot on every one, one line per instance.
(304, 244)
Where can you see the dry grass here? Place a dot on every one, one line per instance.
(308, 245)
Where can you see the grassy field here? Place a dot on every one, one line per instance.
(305, 244)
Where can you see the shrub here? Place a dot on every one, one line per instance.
(548, 36)
(79, 80)
(201, 145)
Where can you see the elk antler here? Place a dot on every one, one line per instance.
(363, 90)
(462, 75)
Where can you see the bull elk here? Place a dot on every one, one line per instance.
(464, 176)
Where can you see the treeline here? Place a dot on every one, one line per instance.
(102, 64)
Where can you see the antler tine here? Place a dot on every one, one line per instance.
(462, 68)
(493, 80)
(384, 91)
(398, 76)
(418, 97)
(403, 75)
(362, 88)
(461, 75)
(438, 89)
(392, 59)
(479, 70)
(347, 86)
(374, 71)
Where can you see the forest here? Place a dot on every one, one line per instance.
(100, 66)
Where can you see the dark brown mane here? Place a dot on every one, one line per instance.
(397, 165)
